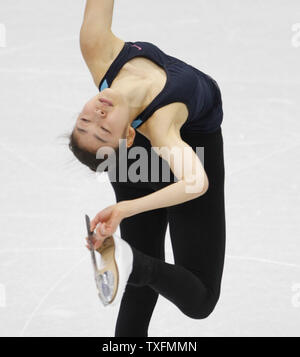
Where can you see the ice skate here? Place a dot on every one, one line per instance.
(111, 276)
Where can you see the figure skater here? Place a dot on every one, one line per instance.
(154, 100)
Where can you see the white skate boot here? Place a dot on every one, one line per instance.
(116, 259)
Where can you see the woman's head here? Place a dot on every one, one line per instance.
(103, 121)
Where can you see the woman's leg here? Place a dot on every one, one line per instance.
(145, 232)
(197, 230)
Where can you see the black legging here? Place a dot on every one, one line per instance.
(197, 231)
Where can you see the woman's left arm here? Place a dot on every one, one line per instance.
(185, 165)
(192, 183)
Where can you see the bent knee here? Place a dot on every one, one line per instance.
(203, 311)
(200, 314)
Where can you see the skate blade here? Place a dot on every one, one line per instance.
(107, 278)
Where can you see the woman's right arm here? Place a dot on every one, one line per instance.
(97, 41)
(97, 17)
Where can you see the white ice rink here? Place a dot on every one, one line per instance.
(252, 48)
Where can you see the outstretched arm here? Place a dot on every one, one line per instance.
(97, 42)
(187, 168)
(97, 21)
(192, 183)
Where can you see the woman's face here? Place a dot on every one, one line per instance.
(101, 124)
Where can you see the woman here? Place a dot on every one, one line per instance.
(154, 100)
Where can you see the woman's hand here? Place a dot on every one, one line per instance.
(106, 223)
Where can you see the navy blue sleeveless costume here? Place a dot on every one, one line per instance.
(185, 84)
(197, 227)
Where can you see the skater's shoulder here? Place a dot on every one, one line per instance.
(164, 122)
(100, 55)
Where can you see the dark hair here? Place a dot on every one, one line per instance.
(87, 158)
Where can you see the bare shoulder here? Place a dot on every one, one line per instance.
(165, 122)
(100, 53)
